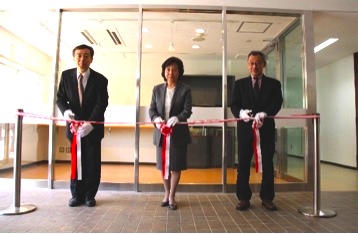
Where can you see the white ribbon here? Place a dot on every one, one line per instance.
(79, 161)
(167, 157)
(257, 148)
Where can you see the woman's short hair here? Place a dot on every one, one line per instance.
(170, 61)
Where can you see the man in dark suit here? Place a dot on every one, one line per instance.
(82, 95)
(254, 109)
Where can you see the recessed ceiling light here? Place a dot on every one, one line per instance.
(195, 47)
(199, 30)
(325, 44)
(148, 46)
(145, 30)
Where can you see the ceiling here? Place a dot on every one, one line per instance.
(245, 32)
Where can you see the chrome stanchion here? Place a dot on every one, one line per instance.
(316, 210)
(17, 208)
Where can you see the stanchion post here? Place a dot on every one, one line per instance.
(17, 208)
(316, 211)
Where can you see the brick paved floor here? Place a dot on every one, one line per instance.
(197, 212)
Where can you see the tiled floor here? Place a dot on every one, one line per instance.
(197, 212)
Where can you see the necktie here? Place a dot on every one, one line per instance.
(80, 88)
(256, 88)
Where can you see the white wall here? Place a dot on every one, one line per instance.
(336, 105)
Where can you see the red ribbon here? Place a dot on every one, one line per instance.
(257, 148)
(75, 161)
(166, 132)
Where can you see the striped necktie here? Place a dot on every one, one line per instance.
(256, 88)
(80, 88)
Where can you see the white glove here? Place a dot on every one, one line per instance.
(158, 122)
(245, 115)
(172, 121)
(259, 119)
(68, 114)
(85, 129)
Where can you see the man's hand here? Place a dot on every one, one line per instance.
(85, 129)
(259, 119)
(68, 114)
(172, 121)
(245, 115)
(158, 122)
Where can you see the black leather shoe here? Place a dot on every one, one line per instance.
(173, 206)
(74, 202)
(163, 204)
(243, 205)
(269, 205)
(90, 202)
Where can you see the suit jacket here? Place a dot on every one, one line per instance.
(180, 107)
(269, 101)
(94, 100)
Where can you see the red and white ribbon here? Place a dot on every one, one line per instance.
(76, 162)
(166, 132)
(166, 142)
(257, 148)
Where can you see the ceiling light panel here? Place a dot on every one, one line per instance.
(253, 27)
(324, 44)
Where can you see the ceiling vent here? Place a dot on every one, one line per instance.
(89, 37)
(115, 37)
(103, 37)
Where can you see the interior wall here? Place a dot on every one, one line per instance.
(335, 103)
(17, 54)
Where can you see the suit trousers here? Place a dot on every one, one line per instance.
(91, 170)
(245, 153)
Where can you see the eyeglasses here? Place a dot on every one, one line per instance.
(256, 63)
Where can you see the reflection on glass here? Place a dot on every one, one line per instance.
(293, 79)
(271, 65)
(295, 152)
(201, 53)
(114, 38)
(7, 149)
(24, 72)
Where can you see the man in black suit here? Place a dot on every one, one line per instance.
(254, 110)
(82, 95)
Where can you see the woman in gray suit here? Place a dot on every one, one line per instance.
(170, 106)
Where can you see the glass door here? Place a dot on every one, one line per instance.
(195, 38)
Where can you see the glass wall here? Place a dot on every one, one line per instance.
(113, 36)
(196, 37)
(293, 89)
(25, 66)
(250, 32)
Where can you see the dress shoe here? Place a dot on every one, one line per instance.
(173, 206)
(243, 205)
(90, 202)
(163, 204)
(75, 202)
(269, 205)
